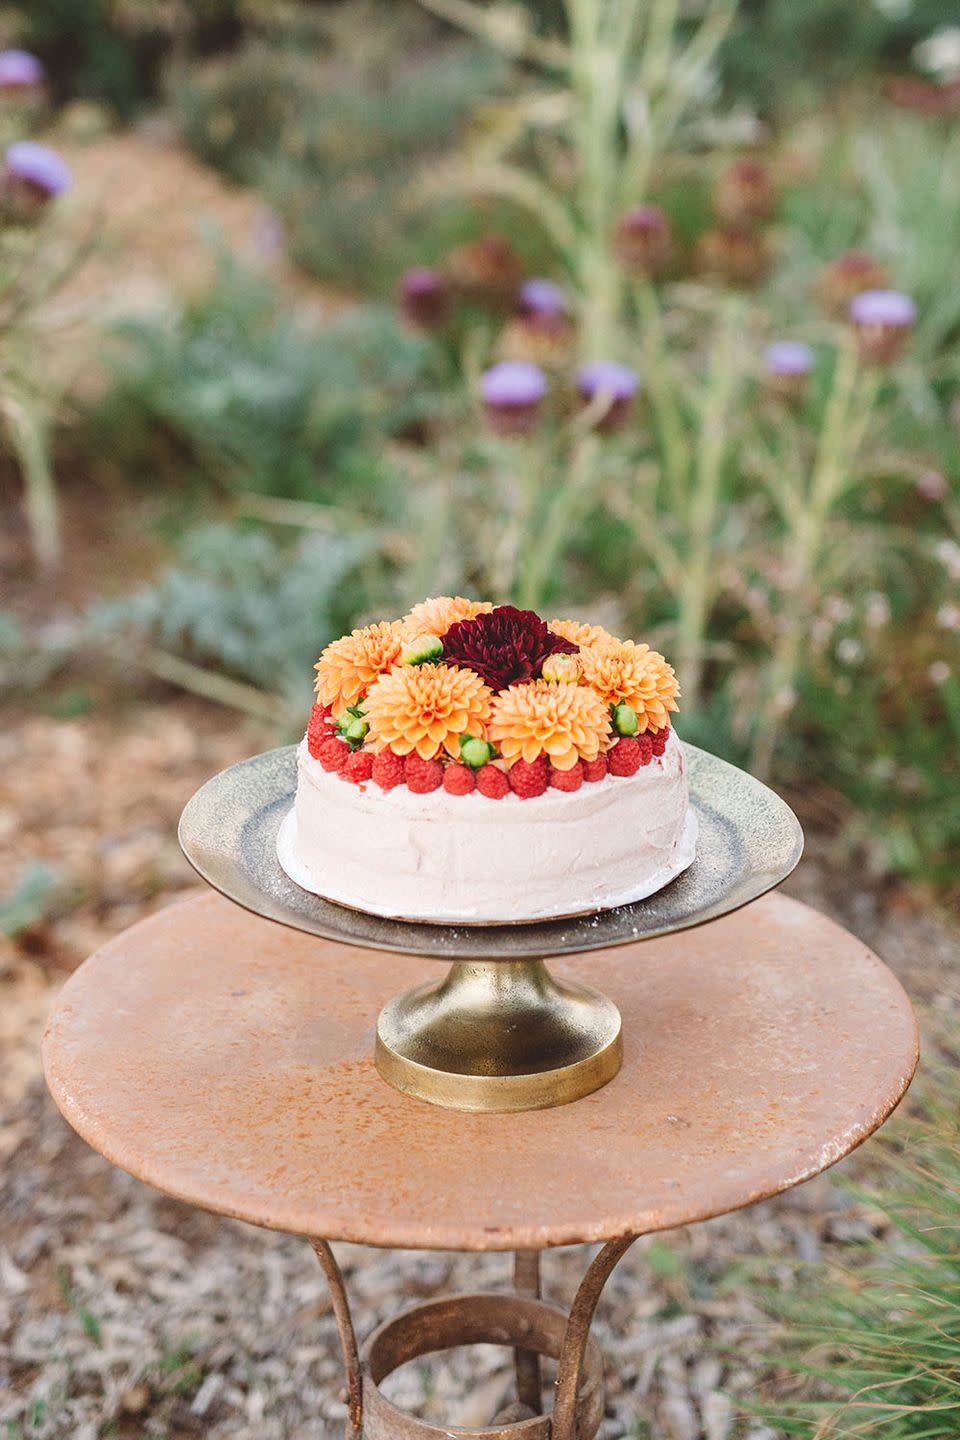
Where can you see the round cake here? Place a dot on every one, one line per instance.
(475, 764)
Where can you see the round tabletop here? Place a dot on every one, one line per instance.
(229, 1062)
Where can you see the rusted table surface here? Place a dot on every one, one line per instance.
(228, 1061)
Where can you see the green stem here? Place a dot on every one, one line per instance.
(695, 592)
(28, 434)
(844, 425)
(664, 399)
(547, 548)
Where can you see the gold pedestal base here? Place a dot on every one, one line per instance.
(497, 1036)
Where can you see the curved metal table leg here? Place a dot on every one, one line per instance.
(577, 1334)
(348, 1338)
(526, 1282)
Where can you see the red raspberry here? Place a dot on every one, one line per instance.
(595, 769)
(529, 778)
(459, 780)
(492, 782)
(333, 754)
(624, 758)
(660, 738)
(647, 748)
(568, 780)
(358, 768)
(317, 730)
(387, 770)
(421, 775)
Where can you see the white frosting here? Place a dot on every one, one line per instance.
(468, 859)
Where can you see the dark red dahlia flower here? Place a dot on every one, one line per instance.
(504, 647)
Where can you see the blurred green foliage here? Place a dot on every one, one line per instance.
(334, 132)
(246, 603)
(252, 398)
(874, 1349)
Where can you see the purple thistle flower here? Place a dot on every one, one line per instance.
(542, 298)
(19, 70)
(643, 241)
(789, 357)
(882, 307)
(513, 392)
(883, 320)
(39, 167)
(607, 377)
(615, 381)
(788, 363)
(425, 297)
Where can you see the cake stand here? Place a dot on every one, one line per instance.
(498, 1032)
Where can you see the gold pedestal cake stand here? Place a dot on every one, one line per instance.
(499, 1032)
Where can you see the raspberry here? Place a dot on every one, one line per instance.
(647, 748)
(529, 778)
(568, 780)
(332, 754)
(660, 738)
(492, 782)
(595, 769)
(421, 775)
(359, 767)
(317, 730)
(624, 758)
(387, 769)
(459, 780)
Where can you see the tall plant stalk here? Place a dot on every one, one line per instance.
(808, 514)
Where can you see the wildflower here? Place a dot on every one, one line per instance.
(883, 320)
(736, 254)
(541, 332)
(788, 366)
(643, 241)
(948, 617)
(610, 381)
(849, 651)
(542, 298)
(846, 277)
(505, 646)
(876, 610)
(948, 553)
(486, 271)
(426, 709)
(424, 297)
(513, 392)
(567, 723)
(32, 177)
(932, 486)
(939, 672)
(19, 72)
(745, 194)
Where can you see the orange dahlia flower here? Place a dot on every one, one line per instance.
(350, 665)
(435, 616)
(426, 708)
(624, 671)
(582, 634)
(565, 722)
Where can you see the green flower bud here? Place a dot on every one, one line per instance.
(356, 731)
(474, 752)
(423, 650)
(625, 720)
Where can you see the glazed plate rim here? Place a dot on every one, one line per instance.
(228, 831)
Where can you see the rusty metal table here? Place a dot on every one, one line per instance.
(226, 1060)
